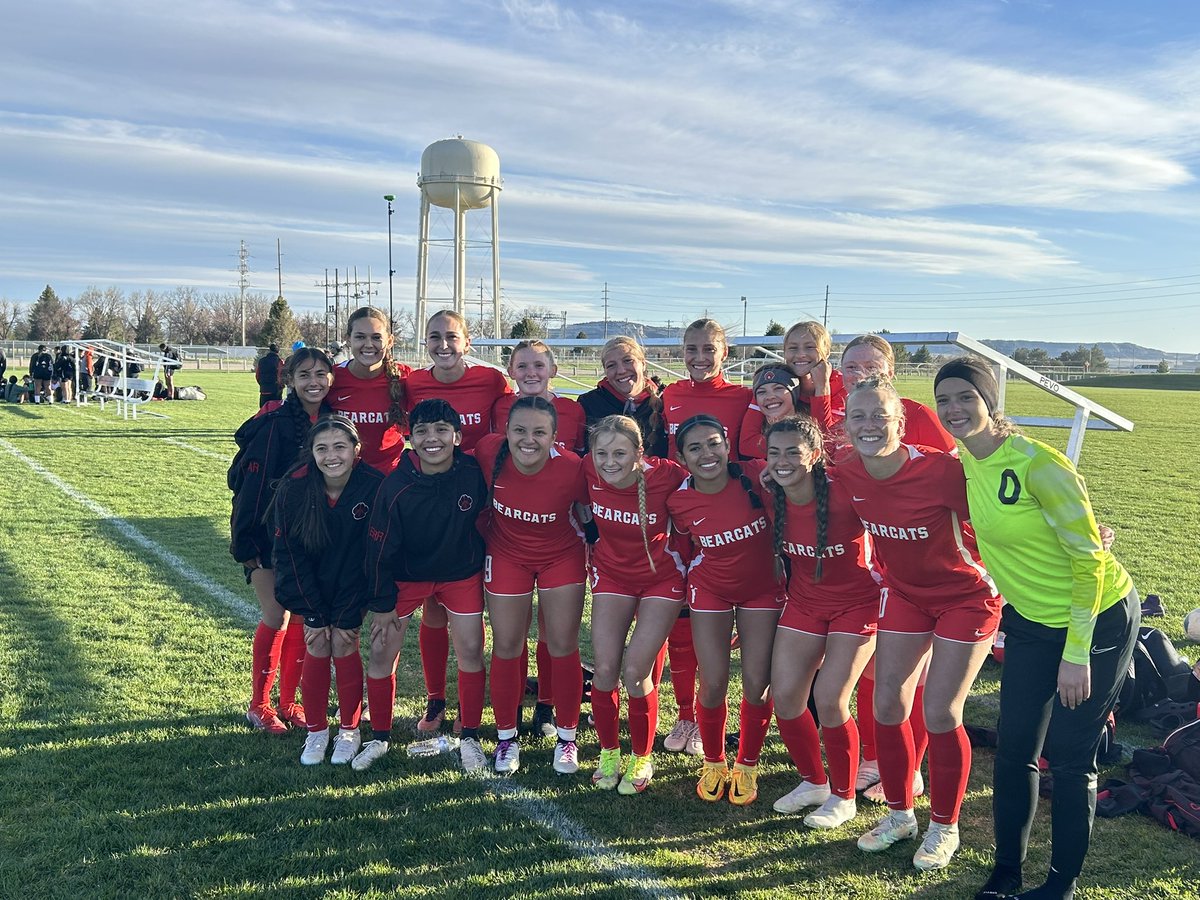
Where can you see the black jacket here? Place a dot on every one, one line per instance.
(423, 527)
(41, 366)
(271, 443)
(269, 372)
(600, 402)
(335, 579)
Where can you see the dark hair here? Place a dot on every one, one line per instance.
(303, 355)
(537, 404)
(308, 516)
(808, 431)
(735, 470)
(433, 410)
(273, 347)
(395, 412)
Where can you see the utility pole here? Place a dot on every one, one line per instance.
(563, 331)
(745, 350)
(327, 308)
(391, 309)
(825, 320)
(606, 310)
(279, 266)
(243, 281)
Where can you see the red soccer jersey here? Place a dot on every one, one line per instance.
(365, 402)
(732, 541)
(571, 419)
(826, 411)
(472, 396)
(716, 397)
(846, 579)
(620, 552)
(532, 517)
(917, 523)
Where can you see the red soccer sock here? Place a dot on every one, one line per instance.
(607, 713)
(896, 763)
(756, 719)
(568, 687)
(471, 687)
(804, 746)
(841, 752)
(349, 672)
(291, 662)
(506, 691)
(916, 721)
(712, 722)
(657, 670)
(949, 769)
(643, 722)
(381, 694)
(683, 668)
(866, 717)
(264, 661)
(435, 657)
(524, 676)
(545, 673)
(314, 691)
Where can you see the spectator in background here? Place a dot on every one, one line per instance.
(41, 370)
(3, 363)
(268, 372)
(169, 367)
(85, 371)
(64, 374)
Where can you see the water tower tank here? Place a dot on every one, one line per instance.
(456, 167)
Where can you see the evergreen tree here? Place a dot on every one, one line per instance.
(581, 336)
(527, 327)
(50, 319)
(921, 356)
(775, 330)
(280, 327)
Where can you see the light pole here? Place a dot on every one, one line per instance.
(745, 350)
(391, 312)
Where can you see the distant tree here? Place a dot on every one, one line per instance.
(903, 357)
(186, 318)
(280, 327)
(1163, 367)
(102, 313)
(1091, 360)
(922, 356)
(775, 330)
(312, 330)
(581, 336)
(1032, 357)
(527, 327)
(11, 323)
(50, 319)
(145, 317)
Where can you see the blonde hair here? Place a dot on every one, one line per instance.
(883, 385)
(458, 318)
(817, 332)
(531, 344)
(875, 342)
(711, 327)
(628, 428)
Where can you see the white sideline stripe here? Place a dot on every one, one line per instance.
(176, 564)
(540, 811)
(200, 450)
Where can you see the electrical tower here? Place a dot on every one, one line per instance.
(243, 283)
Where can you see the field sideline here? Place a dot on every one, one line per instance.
(127, 768)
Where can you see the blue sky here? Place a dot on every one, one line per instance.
(1005, 169)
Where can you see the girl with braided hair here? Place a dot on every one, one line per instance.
(829, 620)
(533, 539)
(270, 441)
(321, 512)
(369, 388)
(730, 578)
(472, 389)
(635, 571)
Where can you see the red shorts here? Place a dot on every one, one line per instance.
(508, 577)
(669, 587)
(861, 620)
(701, 599)
(967, 622)
(460, 598)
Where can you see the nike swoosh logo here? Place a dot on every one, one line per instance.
(673, 408)
(979, 633)
(343, 399)
(596, 487)
(1098, 650)
(698, 521)
(859, 499)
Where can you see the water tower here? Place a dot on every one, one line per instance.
(460, 176)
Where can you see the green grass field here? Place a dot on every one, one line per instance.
(126, 768)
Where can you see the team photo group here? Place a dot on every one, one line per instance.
(858, 554)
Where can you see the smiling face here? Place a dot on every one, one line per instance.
(530, 436)
(775, 400)
(434, 443)
(624, 370)
(705, 452)
(790, 459)
(961, 409)
(801, 350)
(531, 371)
(370, 342)
(616, 458)
(311, 383)
(873, 422)
(334, 452)
(863, 360)
(703, 353)
(447, 343)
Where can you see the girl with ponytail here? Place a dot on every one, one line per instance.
(533, 539)
(635, 570)
(320, 513)
(730, 578)
(829, 620)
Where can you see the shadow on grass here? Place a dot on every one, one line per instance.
(20, 411)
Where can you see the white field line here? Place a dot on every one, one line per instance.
(536, 809)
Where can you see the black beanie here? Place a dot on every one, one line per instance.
(977, 373)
